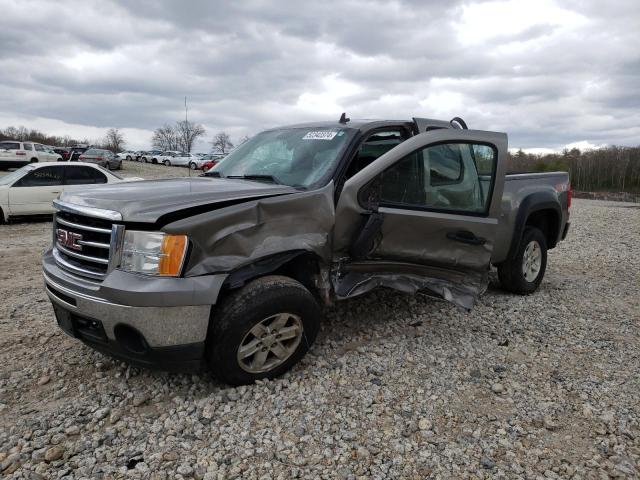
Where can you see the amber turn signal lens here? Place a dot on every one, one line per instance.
(174, 248)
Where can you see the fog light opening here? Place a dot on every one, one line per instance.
(130, 339)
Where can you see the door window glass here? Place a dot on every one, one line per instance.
(27, 146)
(42, 177)
(449, 177)
(39, 147)
(79, 176)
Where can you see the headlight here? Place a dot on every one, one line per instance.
(153, 253)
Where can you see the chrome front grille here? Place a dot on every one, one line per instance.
(85, 245)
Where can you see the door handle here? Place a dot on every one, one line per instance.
(465, 236)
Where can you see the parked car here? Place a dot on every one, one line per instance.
(16, 153)
(151, 156)
(31, 189)
(75, 152)
(231, 268)
(174, 158)
(126, 155)
(64, 152)
(207, 162)
(104, 158)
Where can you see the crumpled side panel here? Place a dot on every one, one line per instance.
(229, 238)
(356, 283)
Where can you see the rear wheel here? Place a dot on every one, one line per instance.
(167, 163)
(128, 158)
(262, 330)
(33, 160)
(193, 166)
(524, 273)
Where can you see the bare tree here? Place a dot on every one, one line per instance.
(187, 133)
(222, 142)
(114, 140)
(243, 139)
(165, 138)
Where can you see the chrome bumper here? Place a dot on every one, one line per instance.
(160, 326)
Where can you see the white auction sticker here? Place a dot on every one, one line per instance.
(320, 135)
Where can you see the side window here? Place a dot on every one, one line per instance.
(449, 177)
(28, 146)
(78, 176)
(39, 147)
(99, 176)
(42, 177)
(376, 145)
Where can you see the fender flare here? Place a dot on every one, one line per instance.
(532, 203)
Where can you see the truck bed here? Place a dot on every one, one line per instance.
(517, 187)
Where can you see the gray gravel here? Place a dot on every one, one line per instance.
(545, 386)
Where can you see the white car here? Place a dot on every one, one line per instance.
(127, 155)
(31, 189)
(180, 159)
(15, 153)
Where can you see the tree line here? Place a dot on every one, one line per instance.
(113, 140)
(611, 168)
(182, 135)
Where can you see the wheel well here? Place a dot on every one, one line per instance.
(305, 267)
(548, 223)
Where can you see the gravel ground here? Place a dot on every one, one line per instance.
(545, 386)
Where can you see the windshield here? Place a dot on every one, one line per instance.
(299, 157)
(13, 176)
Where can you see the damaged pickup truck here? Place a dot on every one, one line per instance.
(231, 269)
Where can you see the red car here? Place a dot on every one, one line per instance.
(210, 161)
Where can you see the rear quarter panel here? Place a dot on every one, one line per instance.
(517, 188)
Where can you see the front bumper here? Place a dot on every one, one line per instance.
(144, 320)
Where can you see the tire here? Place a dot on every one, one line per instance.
(144, 159)
(512, 272)
(262, 303)
(167, 163)
(33, 160)
(193, 166)
(128, 158)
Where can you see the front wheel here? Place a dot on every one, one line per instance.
(167, 163)
(193, 166)
(523, 273)
(262, 330)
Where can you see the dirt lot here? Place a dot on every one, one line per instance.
(395, 387)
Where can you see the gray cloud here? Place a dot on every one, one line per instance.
(549, 75)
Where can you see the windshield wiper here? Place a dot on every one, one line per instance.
(258, 177)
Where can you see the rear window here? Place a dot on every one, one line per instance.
(9, 146)
(93, 151)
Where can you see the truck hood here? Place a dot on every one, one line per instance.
(148, 201)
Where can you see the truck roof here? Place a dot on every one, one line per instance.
(358, 124)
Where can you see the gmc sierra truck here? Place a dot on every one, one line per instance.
(231, 269)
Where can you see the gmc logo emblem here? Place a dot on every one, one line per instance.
(68, 239)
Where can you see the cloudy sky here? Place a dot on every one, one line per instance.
(549, 73)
